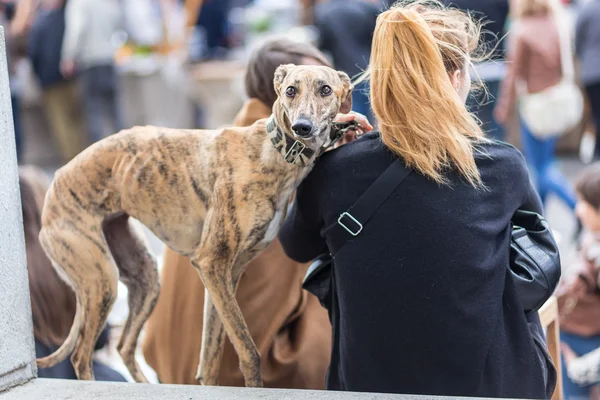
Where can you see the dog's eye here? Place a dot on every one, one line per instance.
(290, 91)
(326, 90)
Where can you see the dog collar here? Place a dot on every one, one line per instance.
(339, 130)
(293, 151)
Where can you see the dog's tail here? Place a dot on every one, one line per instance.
(69, 344)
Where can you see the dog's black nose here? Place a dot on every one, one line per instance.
(302, 127)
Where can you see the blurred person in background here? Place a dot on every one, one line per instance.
(212, 25)
(493, 15)
(24, 12)
(88, 50)
(52, 300)
(290, 328)
(587, 49)
(15, 49)
(346, 32)
(534, 59)
(59, 94)
(579, 298)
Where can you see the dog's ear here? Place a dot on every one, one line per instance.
(346, 105)
(280, 74)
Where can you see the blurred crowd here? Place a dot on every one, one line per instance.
(72, 48)
(77, 50)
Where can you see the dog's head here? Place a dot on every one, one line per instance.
(308, 99)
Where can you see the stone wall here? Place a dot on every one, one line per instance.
(17, 353)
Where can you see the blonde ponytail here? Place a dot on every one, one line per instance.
(422, 119)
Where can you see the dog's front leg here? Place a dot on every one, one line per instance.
(216, 273)
(213, 333)
(213, 341)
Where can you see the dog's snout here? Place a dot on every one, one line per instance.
(302, 127)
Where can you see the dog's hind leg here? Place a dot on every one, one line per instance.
(81, 256)
(138, 272)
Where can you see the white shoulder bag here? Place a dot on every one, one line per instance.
(558, 109)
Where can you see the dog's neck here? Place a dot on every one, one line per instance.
(298, 152)
(293, 151)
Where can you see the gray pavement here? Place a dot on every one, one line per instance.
(54, 389)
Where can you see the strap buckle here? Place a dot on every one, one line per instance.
(294, 152)
(354, 220)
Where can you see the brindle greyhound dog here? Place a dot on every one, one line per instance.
(217, 196)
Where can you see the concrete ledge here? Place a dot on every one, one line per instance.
(56, 389)
(18, 375)
(17, 352)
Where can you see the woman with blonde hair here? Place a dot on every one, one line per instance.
(534, 59)
(425, 301)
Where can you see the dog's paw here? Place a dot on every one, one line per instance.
(258, 383)
(206, 381)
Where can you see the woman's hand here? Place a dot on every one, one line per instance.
(349, 136)
(67, 68)
(352, 135)
(568, 353)
(365, 126)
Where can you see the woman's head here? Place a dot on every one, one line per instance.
(52, 300)
(265, 60)
(419, 71)
(588, 193)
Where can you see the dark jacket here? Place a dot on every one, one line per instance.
(346, 32)
(64, 369)
(493, 14)
(587, 41)
(426, 303)
(45, 46)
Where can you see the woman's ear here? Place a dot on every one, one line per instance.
(346, 100)
(456, 79)
(280, 74)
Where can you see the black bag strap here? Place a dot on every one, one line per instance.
(350, 223)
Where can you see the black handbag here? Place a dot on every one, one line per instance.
(318, 280)
(534, 259)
